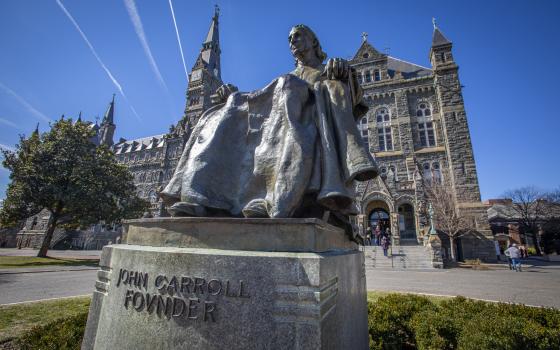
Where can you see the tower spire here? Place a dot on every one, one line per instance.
(210, 53)
(108, 117)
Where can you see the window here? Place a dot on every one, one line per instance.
(364, 132)
(393, 173)
(425, 125)
(384, 129)
(432, 172)
(383, 172)
(360, 78)
(368, 76)
(377, 75)
(436, 172)
(442, 57)
(427, 173)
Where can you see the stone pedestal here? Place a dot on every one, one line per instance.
(208, 283)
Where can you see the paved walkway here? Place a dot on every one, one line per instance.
(536, 285)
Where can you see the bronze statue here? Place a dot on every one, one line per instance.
(291, 149)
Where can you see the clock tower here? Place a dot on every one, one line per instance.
(205, 77)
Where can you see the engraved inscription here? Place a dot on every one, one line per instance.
(190, 297)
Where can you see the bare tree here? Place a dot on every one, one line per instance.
(531, 207)
(448, 219)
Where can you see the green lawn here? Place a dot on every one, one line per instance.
(17, 319)
(10, 262)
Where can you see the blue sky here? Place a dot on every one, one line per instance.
(507, 52)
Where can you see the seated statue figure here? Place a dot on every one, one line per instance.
(291, 149)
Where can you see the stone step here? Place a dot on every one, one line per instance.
(403, 257)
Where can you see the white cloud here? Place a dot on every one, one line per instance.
(139, 29)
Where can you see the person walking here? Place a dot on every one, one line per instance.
(385, 244)
(514, 254)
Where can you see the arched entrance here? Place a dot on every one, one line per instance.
(407, 222)
(379, 217)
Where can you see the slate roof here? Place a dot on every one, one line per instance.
(439, 39)
(408, 70)
(150, 142)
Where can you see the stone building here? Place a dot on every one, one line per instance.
(416, 128)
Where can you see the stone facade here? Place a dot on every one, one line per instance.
(416, 129)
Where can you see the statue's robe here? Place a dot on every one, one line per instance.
(295, 138)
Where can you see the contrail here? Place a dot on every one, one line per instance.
(9, 123)
(26, 104)
(139, 29)
(115, 82)
(179, 40)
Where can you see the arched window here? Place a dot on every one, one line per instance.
(427, 172)
(384, 129)
(364, 132)
(436, 172)
(383, 172)
(393, 173)
(425, 125)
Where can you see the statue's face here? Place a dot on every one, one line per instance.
(301, 42)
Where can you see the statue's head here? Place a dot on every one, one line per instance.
(303, 43)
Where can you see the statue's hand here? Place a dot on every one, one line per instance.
(337, 69)
(224, 91)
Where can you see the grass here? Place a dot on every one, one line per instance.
(15, 320)
(10, 262)
(376, 294)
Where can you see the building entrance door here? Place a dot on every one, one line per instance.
(407, 225)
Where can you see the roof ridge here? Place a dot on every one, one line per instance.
(414, 64)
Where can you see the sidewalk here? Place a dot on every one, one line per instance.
(69, 254)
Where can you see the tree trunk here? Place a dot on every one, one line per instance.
(536, 241)
(48, 237)
(452, 244)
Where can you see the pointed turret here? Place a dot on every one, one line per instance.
(107, 128)
(210, 53)
(79, 120)
(36, 131)
(439, 39)
(108, 117)
(440, 53)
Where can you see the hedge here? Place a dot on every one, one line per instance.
(464, 324)
(398, 321)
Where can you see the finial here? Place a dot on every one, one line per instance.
(96, 119)
(36, 129)
(434, 23)
(364, 36)
(113, 98)
(216, 11)
(79, 117)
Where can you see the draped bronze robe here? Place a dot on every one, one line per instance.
(296, 137)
